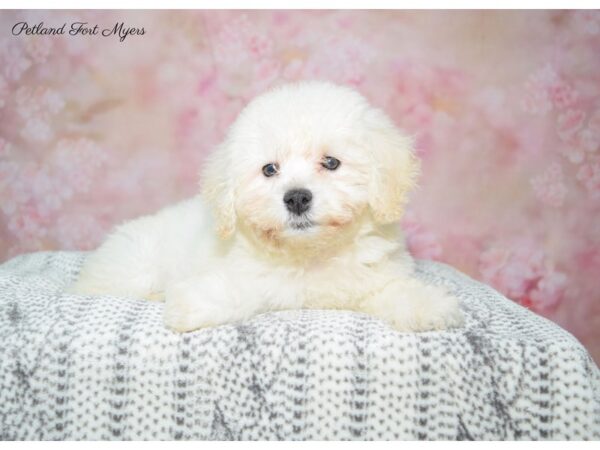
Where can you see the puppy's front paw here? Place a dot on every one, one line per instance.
(205, 301)
(410, 305)
(440, 311)
(185, 309)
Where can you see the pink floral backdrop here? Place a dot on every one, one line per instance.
(505, 107)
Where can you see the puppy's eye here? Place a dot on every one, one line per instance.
(330, 163)
(270, 169)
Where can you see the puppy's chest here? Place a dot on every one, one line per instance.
(341, 285)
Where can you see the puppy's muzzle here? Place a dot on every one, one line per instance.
(297, 201)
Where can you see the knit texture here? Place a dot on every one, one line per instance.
(102, 367)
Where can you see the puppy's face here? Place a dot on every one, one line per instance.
(304, 161)
(302, 186)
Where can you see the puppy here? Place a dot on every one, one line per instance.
(299, 208)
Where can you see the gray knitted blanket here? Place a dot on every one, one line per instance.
(76, 367)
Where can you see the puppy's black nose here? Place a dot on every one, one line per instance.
(297, 201)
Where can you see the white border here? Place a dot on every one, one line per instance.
(299, 4)
(299, 445)
(295, 4)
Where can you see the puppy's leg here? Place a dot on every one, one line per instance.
(410, 305)
(126, 264)
(209, 299)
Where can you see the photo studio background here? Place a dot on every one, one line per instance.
(96, 129)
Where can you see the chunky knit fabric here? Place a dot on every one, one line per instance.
(77, 367)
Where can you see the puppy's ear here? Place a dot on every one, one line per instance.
(394, 167)
(217, 189)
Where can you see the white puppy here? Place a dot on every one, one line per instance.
(299, 208)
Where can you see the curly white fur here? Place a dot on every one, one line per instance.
(234, 251)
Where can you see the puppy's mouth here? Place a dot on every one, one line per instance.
(302, 223)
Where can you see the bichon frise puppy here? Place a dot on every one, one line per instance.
(299, 208)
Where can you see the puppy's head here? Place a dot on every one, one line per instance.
(304, 161)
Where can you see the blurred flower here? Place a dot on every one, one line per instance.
(343, 59)
(594, 122)
(493, 102)
(492, 260)
(521, 273)
(545, 77)
(589, 139)
(76, 162)
(53, 101)
(25, 102)
(574, 153)
(549, 187)
(13, 62)
(545, 89)
(511, 271)
(548, 292)
(421, 243)
(239, 41)
(537, 99)
(78, 231)
(589, 175)
(562, 94)
(569, 122)
(27, 224)
(36, 129)
(48, 193)
(38, 49)
(245, 56)
(38, 101)
(586, 142)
